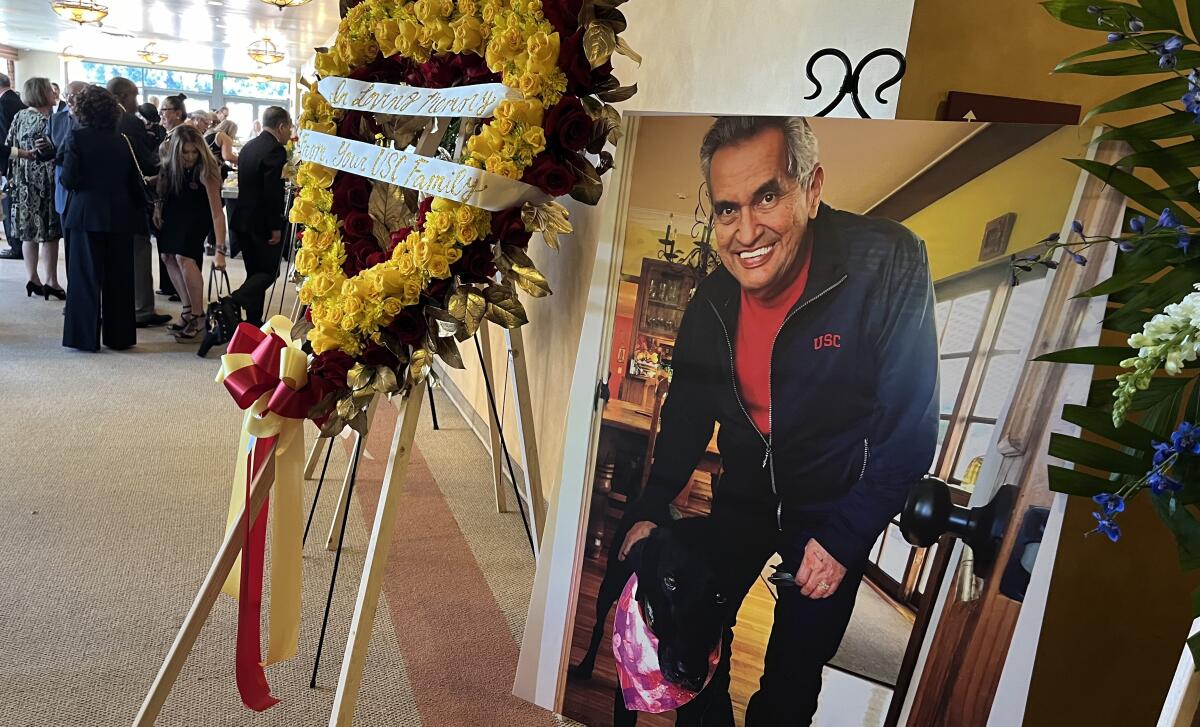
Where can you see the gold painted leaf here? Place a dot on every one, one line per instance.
(333, 426)
(504, 308)
(447, 350)
(359, 377)
(468, 306)
(624, 49)
(422, 359)
(385, 380)
(300, 329)
(389, 210)
(346, 408)
(622, 93)
(401, 129)
(612, 119)
(526, 273)
(549, 218)
(443, 321)
(599, 43)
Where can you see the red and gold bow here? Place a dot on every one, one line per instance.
(266, 372)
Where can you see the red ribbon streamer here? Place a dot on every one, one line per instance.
(251, 679)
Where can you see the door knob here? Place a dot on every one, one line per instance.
(929, 514)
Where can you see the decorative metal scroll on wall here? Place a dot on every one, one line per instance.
(853, 77)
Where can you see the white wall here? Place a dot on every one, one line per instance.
(35, 63)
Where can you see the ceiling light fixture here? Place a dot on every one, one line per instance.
(68, 54)
(264, 52)
(80, 11)
(281, 4)
(151, 54)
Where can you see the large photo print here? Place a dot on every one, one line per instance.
(814, 315)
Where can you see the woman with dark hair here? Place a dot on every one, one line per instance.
(188, 205)
(173, 112)
(35, 223)
(104, 209)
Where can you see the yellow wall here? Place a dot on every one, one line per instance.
(642, 242)
(1035, 184)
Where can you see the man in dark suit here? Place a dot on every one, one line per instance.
(10, 104)
(146, 154)
(258, 218)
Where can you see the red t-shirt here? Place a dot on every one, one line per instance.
(758, 323)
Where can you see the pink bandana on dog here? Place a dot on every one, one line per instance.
(636, 649)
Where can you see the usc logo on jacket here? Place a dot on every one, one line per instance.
(829, 340)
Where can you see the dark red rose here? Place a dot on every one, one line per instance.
(509, 228)
(308, 314)
(477, 264)
(409, 325)
(581, 77)
(550, 175)
(357, 253)
(387, 70)
(399, 236)
(358, 224)
(568, 124)
(437, 288)
(472, 69)
(375, 355)
(349, 128)
(350, 193)
(376, 258)
(563, 15)
(332, 367)
(422, 210)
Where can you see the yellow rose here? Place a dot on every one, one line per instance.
(542, 50)
(331, 64)
(512, 41)
(385, 34)
(352, 305)
(466, 234)
(348, 323)
(421, 252)
(503, 126)
(486, 142)
(392, 281)
(441, 35)
(465, 215)
(468, 34)
(439, 267)
(535, 137)
(527, 111)
(443, 204)
(305, 212)
(331, 315)
(305, 295)
(404, 264)
(454, 254)
(306, 261)
(412, 293)
(324, 339)
(316, 240)
(392, 306)
(315, 104)
(468, 7)
(323, 127)
(505, 168)
(438, 222)
(424, 10)
(322, 285)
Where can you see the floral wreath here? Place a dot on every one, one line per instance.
(391, 281)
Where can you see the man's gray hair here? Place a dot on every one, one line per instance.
(5, 81)
(797, 134)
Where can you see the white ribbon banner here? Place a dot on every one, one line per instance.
(477, 101)
(458, 182)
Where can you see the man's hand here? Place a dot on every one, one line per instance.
(275, 237)
(639, 531)
(819, 574)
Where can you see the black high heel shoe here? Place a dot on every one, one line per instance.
(32, 287)
(59, 293)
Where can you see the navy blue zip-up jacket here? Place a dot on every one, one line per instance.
(854, 393)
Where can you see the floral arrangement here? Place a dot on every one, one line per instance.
(1141, 423)
(392, 280)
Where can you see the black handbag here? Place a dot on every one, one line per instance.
(149, 195)
(224, 314)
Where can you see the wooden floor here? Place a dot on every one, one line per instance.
(591, 701)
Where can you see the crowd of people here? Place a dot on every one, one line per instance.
(112, 180)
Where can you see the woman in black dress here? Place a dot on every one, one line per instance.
(189, 204)
(104, 210)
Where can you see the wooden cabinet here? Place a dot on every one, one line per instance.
(664, 291)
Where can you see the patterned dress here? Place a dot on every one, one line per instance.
(32, 183)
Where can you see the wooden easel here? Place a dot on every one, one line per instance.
(211, 588)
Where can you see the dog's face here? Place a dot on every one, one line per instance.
(681, 592)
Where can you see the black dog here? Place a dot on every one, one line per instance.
(681, 587)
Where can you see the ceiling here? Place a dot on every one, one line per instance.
(865, 160)
(195, 34)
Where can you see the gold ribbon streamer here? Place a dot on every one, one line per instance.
(287, 517)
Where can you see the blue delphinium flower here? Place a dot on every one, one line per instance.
(1172, 44)
(1107, 526)
(1135, 25)
(1167, 219)
(1077, 226)
(1125, 246)
(1162, 483)
(1093, 9)
(1162, 450)
(1052, 237)
(1186, 439)
(1114, 37)
(1112, 504)
(1138, 223)
(1079, 258)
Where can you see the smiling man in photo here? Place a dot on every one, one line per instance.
(815, 348)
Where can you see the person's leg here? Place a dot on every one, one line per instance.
(14, 251)
(81, 326)
(143, 277)
(50, 264)
(262, 267)
(119, 330)
(170, 263)
(190, 285)
(805, 635)
(166, 284)
(30, 251)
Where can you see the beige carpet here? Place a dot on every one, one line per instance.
(114, 477)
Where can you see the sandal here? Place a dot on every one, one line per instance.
(184, 319)
(191, 332)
